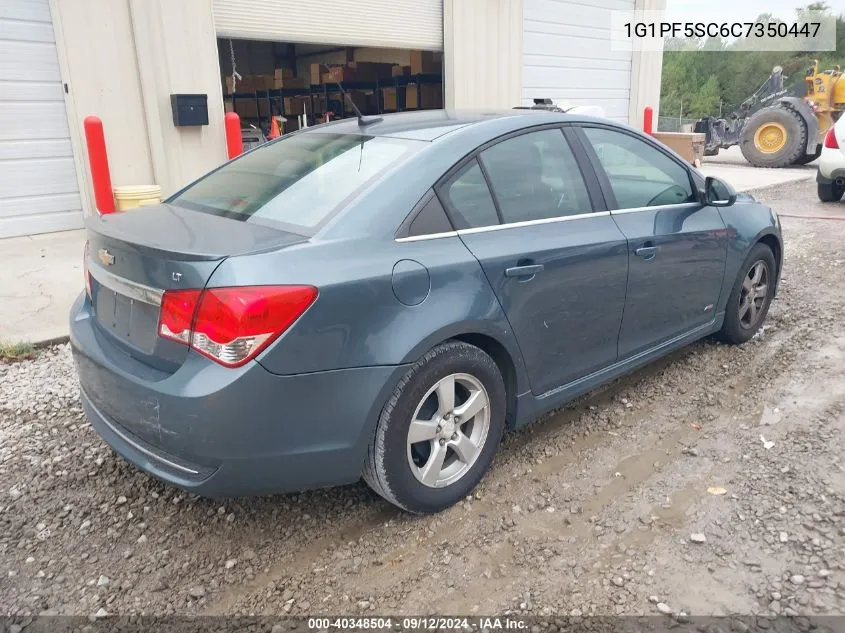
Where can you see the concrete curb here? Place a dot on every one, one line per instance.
(50, 342)
(765, 188)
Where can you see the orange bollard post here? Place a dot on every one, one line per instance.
(98, 159)
(648, 120)
(234, 140)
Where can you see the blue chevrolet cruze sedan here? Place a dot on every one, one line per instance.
(382, 298)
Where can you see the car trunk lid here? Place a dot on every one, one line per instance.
(134, 257)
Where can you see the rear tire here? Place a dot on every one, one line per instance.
(830, 192)
(748, 304)
(774, 137)
(407, 473)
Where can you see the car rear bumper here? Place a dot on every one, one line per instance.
(831, 165)
(222, 432)
(833, 176)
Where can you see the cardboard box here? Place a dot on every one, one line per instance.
(249, 109)
(283, 73)
(264, 82)
(424, 96)
(335, 74)
(289, 83)
(400, 71)
(297, 105)
(244, 84)
(689, 146)
(389, 98)
(316, 74)
(369, 71)
(426, 62)
(254, 83)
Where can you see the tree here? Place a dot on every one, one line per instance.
(702, 73)
(706, 100)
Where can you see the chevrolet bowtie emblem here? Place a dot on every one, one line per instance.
(106, 258)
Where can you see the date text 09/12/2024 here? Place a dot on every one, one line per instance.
(722, 29)
(417, 623)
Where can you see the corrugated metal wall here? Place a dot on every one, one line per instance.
(568, 56)
(483, 53)
(39, 191)
(387, 23)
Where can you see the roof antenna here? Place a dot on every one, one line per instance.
(362, 120)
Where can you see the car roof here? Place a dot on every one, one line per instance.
(428, 125)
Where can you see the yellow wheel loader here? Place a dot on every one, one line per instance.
(778, 127)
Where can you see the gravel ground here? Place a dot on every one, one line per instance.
(708, 483)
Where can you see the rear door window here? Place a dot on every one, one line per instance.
(468, 198)
(298, 182)
(535, 177)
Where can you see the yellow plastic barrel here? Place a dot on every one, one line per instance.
(134, 196)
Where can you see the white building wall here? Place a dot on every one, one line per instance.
(177, 44)
(483, 42)
(646, 74)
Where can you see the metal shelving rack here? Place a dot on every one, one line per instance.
(316, 91)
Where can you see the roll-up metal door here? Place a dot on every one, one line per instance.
(39, 190)
(410, 24)
(568, 56)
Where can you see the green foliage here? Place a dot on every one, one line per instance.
(699, 76)
(12, 352)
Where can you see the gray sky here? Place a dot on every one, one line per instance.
(737, 10)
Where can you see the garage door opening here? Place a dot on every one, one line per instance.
(296, 83)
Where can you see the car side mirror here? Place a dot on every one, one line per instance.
(718, 193)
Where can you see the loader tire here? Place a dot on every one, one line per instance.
(774, 137)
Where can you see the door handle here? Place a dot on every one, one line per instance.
(524, 271)
(646, 252)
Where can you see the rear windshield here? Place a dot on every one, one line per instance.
(297, 182)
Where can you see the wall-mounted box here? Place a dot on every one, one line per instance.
(189, 109)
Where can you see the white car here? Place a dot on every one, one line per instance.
(831, 174)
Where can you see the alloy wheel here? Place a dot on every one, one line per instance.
(755, 292)
(448, 430)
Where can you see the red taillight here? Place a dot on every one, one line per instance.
(232, 325)
(177, 313)
(85, 270)
(830, 141)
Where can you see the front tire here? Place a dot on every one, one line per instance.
(830, 192)
(438, 433)
(774, 137)
(751, 296)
